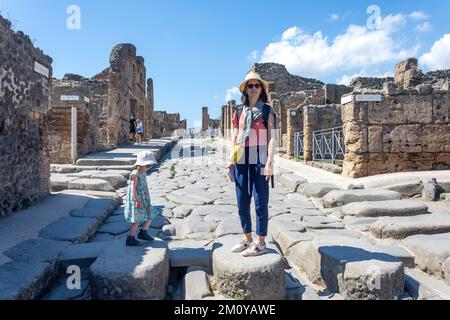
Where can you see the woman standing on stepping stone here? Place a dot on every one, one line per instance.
(138, 206)
(252, 160)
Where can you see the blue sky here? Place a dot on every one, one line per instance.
(197, 51)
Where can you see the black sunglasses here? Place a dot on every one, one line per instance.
(256, 86)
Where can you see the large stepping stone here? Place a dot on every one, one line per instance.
(75, 230)
(407, 186)
(337, 198)
(291, 181)
(84, 174)
(277, 225)
(59, 182)
(62, 292)
(287, 239)
(248, 278)
(351, 267)
(187, 253)
(25, 280)
(116, 180)
(424, 287)
(385, 208)
(196, 285)
(41, 250)
(176, 198)
(93, 213)
(316, 190)
(130, 273)
(430, 251)
(123, 173)
(402, 227)
(117, 168)
(90, 184)
(83, 254)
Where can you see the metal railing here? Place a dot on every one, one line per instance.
(298, 144)
(328, 144)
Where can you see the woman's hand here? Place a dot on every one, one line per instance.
(268, 171)
(229, 164)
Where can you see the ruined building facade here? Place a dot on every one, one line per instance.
(166, 124)
(104, 104)
(25, 93)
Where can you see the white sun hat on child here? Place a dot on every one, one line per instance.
(145, 158)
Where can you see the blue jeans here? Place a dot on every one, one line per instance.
(250, 179)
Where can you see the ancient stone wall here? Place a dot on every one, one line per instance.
(404, 132)
(25, 93)
(165, 124)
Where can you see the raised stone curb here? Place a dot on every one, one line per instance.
(291, 181)
(316, 190)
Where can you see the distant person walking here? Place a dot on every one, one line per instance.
(133, 126)
(251, 163)
(138, 206)
(140, 130)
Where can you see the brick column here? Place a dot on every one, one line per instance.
(294, 124)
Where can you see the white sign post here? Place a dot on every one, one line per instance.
(74, 135)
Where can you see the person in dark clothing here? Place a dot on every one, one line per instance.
(133, 126)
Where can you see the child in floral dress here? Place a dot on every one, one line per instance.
(138, 206)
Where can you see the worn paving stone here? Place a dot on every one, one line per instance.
(249, 278)
(183, 211)
(60, 182)
(316, 190)
(337, 198)
(226, 201)
(93, 213)
(424, 287)
(402, 227)
(405, 256)
(385, 208)
(41, 250)
(291, 181)
(71, 229)
(446, 269)
(116, 180)
(407, 186)
(90, 184)
(430, 251)
(103, 204)
(186, 253)
(102, 237)
(194, 226)
(218, 216)
(351, 267)
(209, 209)
(115, 228)
(185, 199)
(25, 280)
(130, 273)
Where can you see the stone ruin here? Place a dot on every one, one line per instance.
(165, 124)
(406, 129)
(25, 93)
(104, 104)
(207, 122)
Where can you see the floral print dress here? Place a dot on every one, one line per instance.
(147, 212)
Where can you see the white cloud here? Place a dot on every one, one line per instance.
(419, 15)
(334, 16)
(253, 57)
(315, 55)
(439, 55)
(232, 94)
(424, 27)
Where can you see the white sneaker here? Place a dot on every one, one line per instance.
(243, 245)
(255, 249)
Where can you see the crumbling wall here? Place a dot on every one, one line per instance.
(165, 124)
(405, 131)
(25, 90)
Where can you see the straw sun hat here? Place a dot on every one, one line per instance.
(145, 159)
(252, 75)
